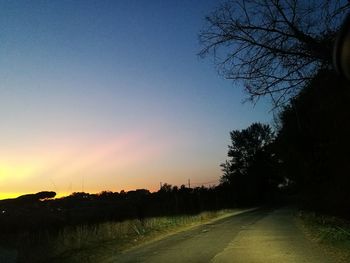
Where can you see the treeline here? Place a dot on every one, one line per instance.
(39, 212)
(314, 143)
(285, 50)
(307, 155)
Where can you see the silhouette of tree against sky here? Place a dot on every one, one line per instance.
(41, 213)
(249, 171)
(283, 49)
(273, 47)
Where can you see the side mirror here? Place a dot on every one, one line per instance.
(341, 51)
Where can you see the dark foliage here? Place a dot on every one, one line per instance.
(43, 214)
(314, 143)
(250, 173)
(283, 48)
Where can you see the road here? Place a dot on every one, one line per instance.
(262, 236)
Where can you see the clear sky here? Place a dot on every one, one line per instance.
(110, 95)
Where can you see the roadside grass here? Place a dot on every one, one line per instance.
(97, 242)
(332, 233)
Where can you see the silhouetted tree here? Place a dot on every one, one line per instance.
(227, 175)
(35, 197)
(248, 170)
(273, 46)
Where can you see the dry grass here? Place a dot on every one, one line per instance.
(93, 243)
(331, 233)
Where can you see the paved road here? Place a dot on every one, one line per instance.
(261, 236)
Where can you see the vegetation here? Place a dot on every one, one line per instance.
(313, 143)
(308, 156)
(331, 232)
(250, 172)
(327, 228)
(95, 242)
(280, 48)
(283, 48)
(82, 221)
(273, 46)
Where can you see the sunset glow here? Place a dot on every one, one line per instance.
(91, 103)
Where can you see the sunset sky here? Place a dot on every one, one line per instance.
(110, 95)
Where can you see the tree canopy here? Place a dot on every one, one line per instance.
(314, 144)
(248, 171)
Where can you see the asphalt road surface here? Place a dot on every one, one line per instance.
(263, 235)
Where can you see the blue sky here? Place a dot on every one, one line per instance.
(78, 76)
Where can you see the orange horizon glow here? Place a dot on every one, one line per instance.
(4, 196)
(92, 102)
(125, 162)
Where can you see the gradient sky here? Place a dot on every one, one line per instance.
(110, 95)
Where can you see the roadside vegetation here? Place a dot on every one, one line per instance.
(38, 227)
(332, 233)
(282, 50)
(100, 241)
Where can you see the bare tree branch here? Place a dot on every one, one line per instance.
(272, 46)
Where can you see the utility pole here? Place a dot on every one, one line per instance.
(160, 185)
(189, 183)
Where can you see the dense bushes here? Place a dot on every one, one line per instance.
(21, 214)
(314, 143)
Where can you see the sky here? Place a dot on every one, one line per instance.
(111, 95)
